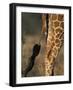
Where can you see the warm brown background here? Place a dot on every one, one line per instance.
(31, 30)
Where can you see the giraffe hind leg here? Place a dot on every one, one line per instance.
(52, 74)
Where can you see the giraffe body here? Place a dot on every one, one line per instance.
(55, 40)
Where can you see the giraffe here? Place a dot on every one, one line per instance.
(55, 40)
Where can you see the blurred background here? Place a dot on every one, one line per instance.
(31, 31)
